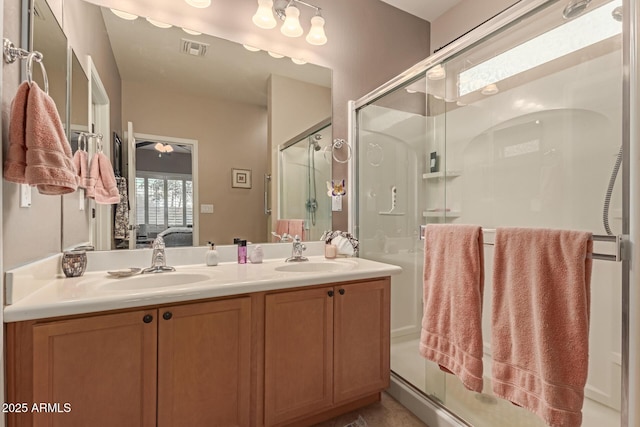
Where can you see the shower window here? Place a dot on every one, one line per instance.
(522, 135)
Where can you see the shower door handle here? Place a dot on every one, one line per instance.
(267, 179)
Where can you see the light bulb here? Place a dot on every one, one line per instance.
(436, 73)
(490, 89)
(192, 32)
(298, 61)
(275, 55)
(159, 24)
(291, 26)
(168, 148)
(251, 48)
(159, 147)
(200, 4)
(263, 17)
(124, 15)
(316, 34)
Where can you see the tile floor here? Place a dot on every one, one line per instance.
(386, 413)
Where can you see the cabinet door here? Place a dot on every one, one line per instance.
(361, 339)
(103, 366)
(204, 364)
(298, 354)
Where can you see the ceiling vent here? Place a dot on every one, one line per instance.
(194, 48)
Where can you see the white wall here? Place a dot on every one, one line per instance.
(463, 17)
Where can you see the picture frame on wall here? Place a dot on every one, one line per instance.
(240, 178)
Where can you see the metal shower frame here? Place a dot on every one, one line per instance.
(630, 347)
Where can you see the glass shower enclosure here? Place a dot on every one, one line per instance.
(520, 127)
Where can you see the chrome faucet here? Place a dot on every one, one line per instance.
(296, 251)
(158, 259)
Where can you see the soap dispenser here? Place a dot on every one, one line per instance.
(211, 258)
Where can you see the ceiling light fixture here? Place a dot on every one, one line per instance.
(163, 148)
(275, 55)
(251, 48)
(192, 32)
(263, 17)
(298, 61)
(124, 15)
(159, 24)
(200, 4)
(287, 11)
(490, 89)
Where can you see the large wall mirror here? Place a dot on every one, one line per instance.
(176, 98)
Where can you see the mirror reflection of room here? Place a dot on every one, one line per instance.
(239, 106)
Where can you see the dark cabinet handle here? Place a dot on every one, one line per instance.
(341, 291)
(330, 293)
(167, 315)
(147, 318)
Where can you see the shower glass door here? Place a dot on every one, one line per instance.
(521, 129)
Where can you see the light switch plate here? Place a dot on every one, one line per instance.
(336, 203)
(25, 195)
(206, 209)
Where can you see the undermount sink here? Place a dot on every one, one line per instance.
(150, 281)
(311, 267)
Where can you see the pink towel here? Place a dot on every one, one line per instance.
(80, 162)
(104, 188)
(296, 228)
(282, 227)
(49, 162)
(16, 163)
(453, 286)
(540, 321)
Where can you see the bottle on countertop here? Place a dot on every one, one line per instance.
(257, 255)
(242, 252)
(211, 258)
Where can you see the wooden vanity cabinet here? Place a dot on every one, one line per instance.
(171, 366)
(325, 347)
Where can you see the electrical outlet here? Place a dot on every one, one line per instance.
(25, 195)
(206, 209)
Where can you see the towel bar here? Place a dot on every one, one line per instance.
(618, 240)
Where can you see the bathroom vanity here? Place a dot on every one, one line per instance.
(269, 344)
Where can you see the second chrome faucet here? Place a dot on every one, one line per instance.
(296, 251)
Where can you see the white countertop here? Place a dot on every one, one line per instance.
(96, 291)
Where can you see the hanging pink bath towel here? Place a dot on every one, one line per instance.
(453, 286)
(103, 186)
(540, 321)
(16, 163)
(49, 165)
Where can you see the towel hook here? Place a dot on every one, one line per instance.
(38, 58)
(82, 142)
(98, 138)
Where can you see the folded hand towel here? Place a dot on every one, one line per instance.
(296, 228)
(49, 162)
(80, 162)
(540, 321)
(14, 166)
(282, 227)
(453, 286)
(104, 189)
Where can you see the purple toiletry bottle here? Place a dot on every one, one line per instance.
(242, 252)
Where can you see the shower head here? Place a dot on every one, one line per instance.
(313, 140)
(575, 8)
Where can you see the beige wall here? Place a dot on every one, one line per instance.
(229, 135)
(463, 17)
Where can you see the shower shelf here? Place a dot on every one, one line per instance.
(441, 175)
(441, 214)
